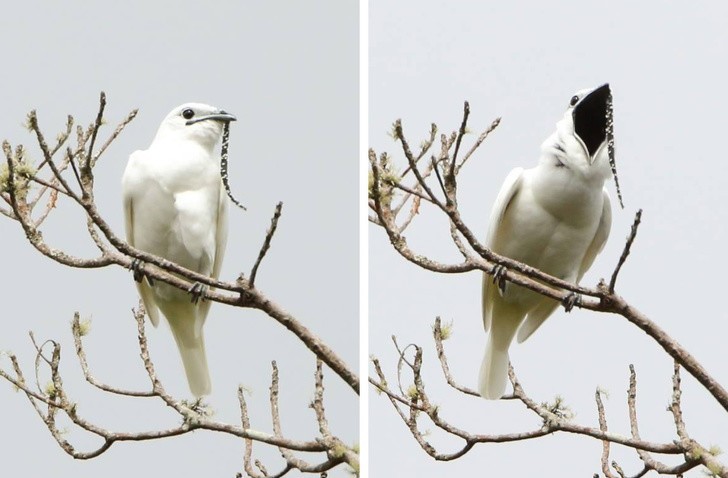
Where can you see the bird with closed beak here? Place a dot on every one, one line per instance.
(175, 207)
(555, 217)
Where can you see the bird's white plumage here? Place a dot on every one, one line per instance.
(175, 207)
(555, 217)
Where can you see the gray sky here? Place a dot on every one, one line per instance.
(289, 71)
(523, 61)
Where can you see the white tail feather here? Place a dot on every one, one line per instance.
(194, 360)
(186, 326)
(493, 371)
(493, 378)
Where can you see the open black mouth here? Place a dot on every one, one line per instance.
(590, 118)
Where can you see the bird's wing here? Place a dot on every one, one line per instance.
(600, 238)
(128, 187)
(220, 242)
(536, 317)
(508, 191)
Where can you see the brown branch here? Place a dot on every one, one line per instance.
(605, 443)
(437, 333)
(625, 252)
(414, 402)
(411, 160)
(426, 145)
(693, 450)
(450, 186)
(78, 333)
(477, 143)
(245, 420)
(292, 461)
(119, 128)
(649, 462)
(481, 258)
(87, 165)
(244, 294)
(52, 401)
(266, 242)
(195, 416)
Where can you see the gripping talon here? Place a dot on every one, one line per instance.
(197, 291)
(499, 278)
(571, 300)
(137, 269)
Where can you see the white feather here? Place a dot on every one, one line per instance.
(175, 207)
(555, 217)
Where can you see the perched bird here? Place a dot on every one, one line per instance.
(175, 207)
(555, 217)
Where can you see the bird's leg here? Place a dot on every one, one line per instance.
(197, 291)
(137, 269)
(199, 407)
(571, 299)
(499, 278)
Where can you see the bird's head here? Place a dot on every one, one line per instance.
(588, 110)
(584, 138)
(581, 138)
(195, 121)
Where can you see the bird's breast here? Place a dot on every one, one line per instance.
(566, 195)
(550, 227)
(183, 166)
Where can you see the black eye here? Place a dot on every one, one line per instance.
(188, 113)
(574, 100)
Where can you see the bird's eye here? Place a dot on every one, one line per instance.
(188, 113)
(574, 100)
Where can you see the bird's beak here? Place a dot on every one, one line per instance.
(219, 116)
(590, 119)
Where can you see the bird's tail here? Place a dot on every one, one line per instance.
(191, 343)
(194, 360)
(494, 369)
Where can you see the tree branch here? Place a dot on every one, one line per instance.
(476, 257)
(52, 401)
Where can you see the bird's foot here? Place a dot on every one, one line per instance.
(572, 299)
(137, 269)
(499, 278)
(198, 406)
(197, 291)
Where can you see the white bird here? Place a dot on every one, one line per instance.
(175, 207)
(555, 217)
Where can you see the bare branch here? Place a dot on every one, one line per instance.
(478, 257)
(625, 252)
(242, 293)
(437, 333)
(266, 242)
(605, 443)
(51, 401)
(477, 143)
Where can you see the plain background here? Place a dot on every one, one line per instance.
(523, 61)
(289, 71)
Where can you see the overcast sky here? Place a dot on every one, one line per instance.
(289, 71)
(523, 61)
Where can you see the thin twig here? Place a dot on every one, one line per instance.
(461, 132)
(266, 242)
(627, 248)
(477, 144)
(437, 334)
(605, 443)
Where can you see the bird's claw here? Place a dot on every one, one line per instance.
(572, 299)
(197, 291)
(137, 269)
(499, 278)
